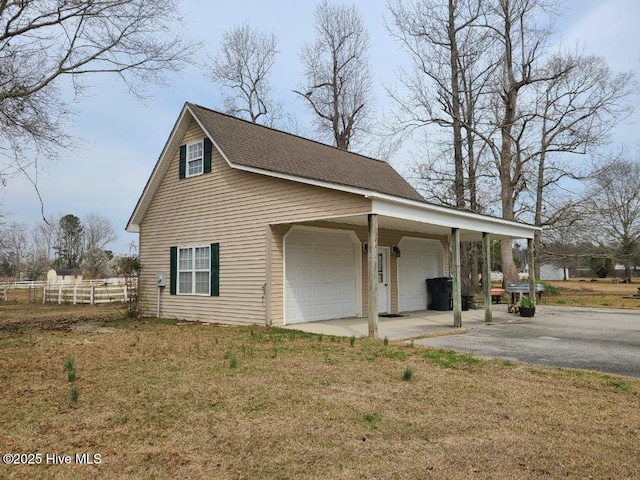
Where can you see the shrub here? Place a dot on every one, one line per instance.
(601, 266)
(549, 289)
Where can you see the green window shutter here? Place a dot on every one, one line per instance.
(173, 270)
(182, 169)
(215, 269)
(207, 155)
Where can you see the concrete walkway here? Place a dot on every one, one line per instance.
(410, 325)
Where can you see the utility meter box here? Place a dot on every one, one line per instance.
(161, 279)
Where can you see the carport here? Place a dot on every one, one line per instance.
(397, 214)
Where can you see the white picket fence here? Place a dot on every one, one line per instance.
(90, 291)
(91, 294)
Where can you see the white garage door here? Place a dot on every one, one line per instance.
(320, 276)
(419, 259)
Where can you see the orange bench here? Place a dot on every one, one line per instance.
(496, 294)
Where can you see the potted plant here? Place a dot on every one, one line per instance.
(527, 307)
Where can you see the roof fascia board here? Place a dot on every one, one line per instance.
(433, 214)
(347, 219)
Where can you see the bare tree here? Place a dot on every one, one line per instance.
(14, 246)
(496, 56)
(615, 209)
(99, 231)
(482, 69)
(37, 263)
(520, 42)
(575, 112)
(60, 242)
(446, 45)
(42, 42)
(242, 68)
(338, 86)
(566, 241)
(438, 37)
(45, 235)
(128, 266)
(95, 262)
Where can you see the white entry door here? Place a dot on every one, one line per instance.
(383, 280)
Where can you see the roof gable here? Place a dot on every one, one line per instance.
(263, 150)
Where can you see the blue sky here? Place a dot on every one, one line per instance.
(120, 139)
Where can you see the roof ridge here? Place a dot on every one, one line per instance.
(273, 129)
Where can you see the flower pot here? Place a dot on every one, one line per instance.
(527, 312)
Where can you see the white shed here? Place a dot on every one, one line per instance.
(64, 276)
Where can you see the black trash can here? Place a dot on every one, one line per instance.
(440, 289)
(467, 302)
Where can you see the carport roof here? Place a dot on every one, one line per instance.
(425, 218)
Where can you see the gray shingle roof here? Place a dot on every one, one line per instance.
(251, 145)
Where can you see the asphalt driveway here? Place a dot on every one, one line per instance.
(593, 339)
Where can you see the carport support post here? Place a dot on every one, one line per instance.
(486, 276)
(372, 271)
(457, 291)
(532, 271)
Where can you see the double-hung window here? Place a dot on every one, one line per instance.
(194, 270)
(195, 159)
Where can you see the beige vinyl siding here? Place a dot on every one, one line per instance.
(277, 272)
(232, 208)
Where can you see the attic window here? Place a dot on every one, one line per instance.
(195, 159)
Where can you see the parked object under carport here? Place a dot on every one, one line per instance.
(440, 289)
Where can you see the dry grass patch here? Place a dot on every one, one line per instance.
(20, 317)
(163, 400)
(602, 293)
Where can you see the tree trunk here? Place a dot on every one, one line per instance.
(509, 270)
(476, 248)
(458, 182)
(510, 97)
(466, 267)
(469, 267)
(540, 190)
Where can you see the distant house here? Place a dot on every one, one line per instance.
(64, 276)
(244, 224)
